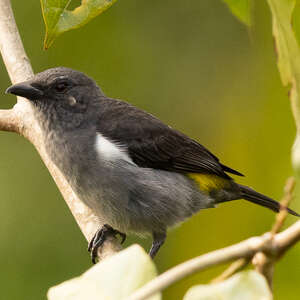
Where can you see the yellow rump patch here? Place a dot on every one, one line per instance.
(209, 182)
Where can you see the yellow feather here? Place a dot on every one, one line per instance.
(209, 182)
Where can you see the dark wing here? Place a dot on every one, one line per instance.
(152, 144)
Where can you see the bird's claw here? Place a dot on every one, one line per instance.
(100, 237)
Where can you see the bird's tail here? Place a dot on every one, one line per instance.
(260, 199)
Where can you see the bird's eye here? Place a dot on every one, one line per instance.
(61, 86)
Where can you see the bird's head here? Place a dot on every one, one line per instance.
(60, 87)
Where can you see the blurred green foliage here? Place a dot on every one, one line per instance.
(198, 69)
(241, 9)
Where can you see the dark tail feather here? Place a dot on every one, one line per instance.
(260, 199)
(229, 170)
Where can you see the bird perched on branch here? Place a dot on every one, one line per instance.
(136, 173)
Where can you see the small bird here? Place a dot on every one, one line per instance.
(135, 173)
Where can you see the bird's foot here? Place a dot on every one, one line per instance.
(100, 237)
(158, 239)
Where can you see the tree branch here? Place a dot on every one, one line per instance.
(235, 267)
(268, 244)
(285, 202)
(286, 239)
(21, 119)
(264, 263)
(8, 120)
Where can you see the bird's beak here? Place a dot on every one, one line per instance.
(26, 90)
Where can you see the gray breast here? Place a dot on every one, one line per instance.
(125, 196)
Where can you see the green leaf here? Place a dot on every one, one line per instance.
(111, 279)
(59, 19)
(241, 9)
(296, 20)
(286, 43)
(246, 285)
(288, 61)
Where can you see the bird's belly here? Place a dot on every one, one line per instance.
(127, 197)
(144, 200)
(95, 182)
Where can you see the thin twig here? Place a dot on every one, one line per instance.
(287, 198)
(263, 262)
(235, 267)
(246, 249)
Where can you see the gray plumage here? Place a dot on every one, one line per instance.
(125, 196)
(125, 164)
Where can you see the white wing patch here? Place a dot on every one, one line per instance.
(111, 151)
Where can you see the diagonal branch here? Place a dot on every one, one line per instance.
(21, 119)
(267, 244)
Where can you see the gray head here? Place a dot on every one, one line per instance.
(62, 97)
(59, 88)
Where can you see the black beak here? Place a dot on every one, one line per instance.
(26, 90)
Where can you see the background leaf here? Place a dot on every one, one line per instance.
(296, 20)
(114, 278)
(244, 285)
(241, 9)
(288, 61)
(59, 19)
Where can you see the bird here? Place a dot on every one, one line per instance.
(137, 174)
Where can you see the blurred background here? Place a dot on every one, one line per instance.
(193, 65)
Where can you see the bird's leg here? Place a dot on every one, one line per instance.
(158, 239)
(100, 237)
